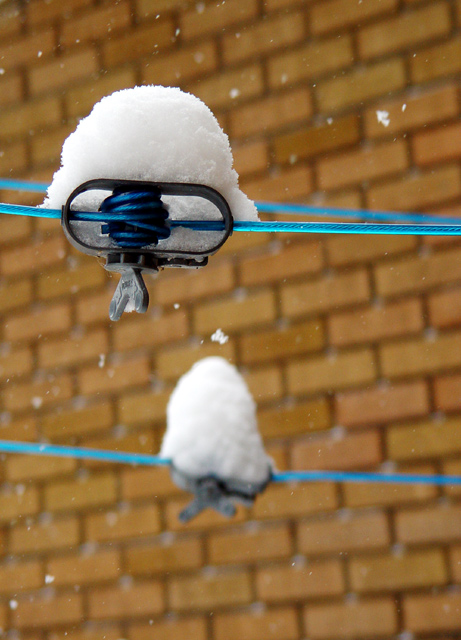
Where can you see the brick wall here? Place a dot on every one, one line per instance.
(351, 346)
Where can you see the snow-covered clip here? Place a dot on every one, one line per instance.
(145, 226)
(216, 493)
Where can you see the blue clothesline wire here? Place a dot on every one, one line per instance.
(361, 228)
(263, 207)
(139, 459)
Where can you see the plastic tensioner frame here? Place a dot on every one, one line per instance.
(131, 292)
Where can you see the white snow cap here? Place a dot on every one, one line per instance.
(212, 427)
(154, 133)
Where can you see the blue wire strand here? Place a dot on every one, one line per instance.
(361, 228)
(139, 459)
(281, 208)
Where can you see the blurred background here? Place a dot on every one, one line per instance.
(351, 346)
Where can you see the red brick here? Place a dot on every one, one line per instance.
(82, 278)
(252, 157)
(311, 141)
(274, 624)
(220, 91)
(365, 164)
(168, 629)
(116, 377)
(420, 273)
(337, 14)
(37, 394)
(361, 85)
(23, 51)
(265, 384)
(250, 545)
(271, 113)
(263, 37)
(85, 568)
(15, 363)
(144, 331)
(362, 619)
(38, 12)
(331, 292)
(58, 534)
(291, 420)
(86, 493)
(147, 483)
(63, 609)
(14, 228)
(177, 556)
(23, 430)
(356, 450)
(375, 323)
(425, 189)
(344, 534)
(284, 185)
(15, 294)
(31, 117)
(310, 61)
(146, 40)
(19, 503)
(141, 599)
(398, 572)
(448, 392)
(345, 250)
(445, 308)
(442, 59)
(288, 341)
(429, 524)
(94, 307)
(73, 350)
(438, 145)
(208, 592)
(284, 262)
(339, 371)
(184, 65)
(382, 404)
(299, 582)
(406, 31)
(190, 285)
(357, 494)
(234, 314)
(425, 440)
(63, 71)
(78, 422)
(21, 576)
(174, 362)
(421, 356)
(434, 612)
(79, 100)
(282, 501)
(216, 17)
(40, 322)
(99, 23)
(116, 525)
(409, 112)
(20, 468)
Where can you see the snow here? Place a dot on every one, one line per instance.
(219, 336)
(150, 133)
(383, 117)
(212, 427)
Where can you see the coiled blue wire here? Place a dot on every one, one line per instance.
(139, 459)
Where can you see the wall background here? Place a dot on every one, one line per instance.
(351, 346)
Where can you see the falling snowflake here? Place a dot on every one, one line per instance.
(383, 117)
(219, 336)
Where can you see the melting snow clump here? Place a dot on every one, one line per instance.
(219, 336)
(212, 427)
(151, 133)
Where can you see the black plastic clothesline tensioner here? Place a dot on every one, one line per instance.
(145, 226)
